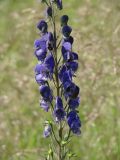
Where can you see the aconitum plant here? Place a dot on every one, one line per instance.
(55, 74)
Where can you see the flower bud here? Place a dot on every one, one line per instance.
(64, 20)
(59, 4)
(49, 12)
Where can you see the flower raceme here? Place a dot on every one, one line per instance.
(64, 100)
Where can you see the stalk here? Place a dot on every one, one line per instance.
(57, 83)
(45, 71)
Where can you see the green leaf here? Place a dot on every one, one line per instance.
(63, 143)
(48, 122)
(70, 155)
(50, 152)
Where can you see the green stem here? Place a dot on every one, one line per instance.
(60, 140)
(46, 3)
(54, 135)
(57, 83)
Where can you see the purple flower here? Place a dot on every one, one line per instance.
(37, 43)
(66, 77)
(42, 26)
(74, 56)
(59, 4)
(50, 63)
(40, 44)
(66, 31)
(66, 47)
(70, 56)
(40, 54)
(69, 39)
(74, 103)
(44, 105)
(40, 68)
(46, 93)
(67, 56)
(59, 112)
(64, 20)
(47, 131)
(41, 47)
(70, 90)
(44, 37)
(40, 79)
(45, 70)
(42, 73)
(73, 66)
(61, 72)
(74, 122)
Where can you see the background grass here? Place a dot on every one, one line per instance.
(96, 28)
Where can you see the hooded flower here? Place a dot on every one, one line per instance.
(46, 93)
(47, 131)
(45, 70)
(65, 75)
(40, 79)
(42, 73)
(59, 112)
(40, 44)
(66, 49)
(74, 56)
(50, 63)
(69, 39)
(44, 37)
(44, 105)
(73, 66)
(62, 70)
(70, 56)
(40, 54)
(74, 122)
(70, 90)
(74, 103)
(42, 26)
(40, 68)
(67, 56)
(66, 31)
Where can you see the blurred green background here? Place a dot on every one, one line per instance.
(96, 28)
